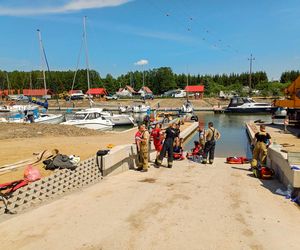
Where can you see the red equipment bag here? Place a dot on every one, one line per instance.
(266, 173)
(237, 160)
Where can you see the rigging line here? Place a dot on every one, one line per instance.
(166, 13)
(179, 21)
(207, 30)
(78, 61)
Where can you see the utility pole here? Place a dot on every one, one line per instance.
(251, 59)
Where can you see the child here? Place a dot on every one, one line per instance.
(177, 149)
(196, 153)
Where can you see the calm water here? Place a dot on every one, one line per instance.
(234, 140)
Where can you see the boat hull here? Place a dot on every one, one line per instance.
(91, 125)
(121, 120)
(50, 119)
(249, 110)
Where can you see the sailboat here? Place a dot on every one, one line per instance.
(187, 106)
(91, 118)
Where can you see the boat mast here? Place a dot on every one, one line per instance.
(187, 84)
(8, 84)
(86, 53)
(42, 59)
(30, 80)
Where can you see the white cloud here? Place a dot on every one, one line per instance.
(71, 6)
(141, 62)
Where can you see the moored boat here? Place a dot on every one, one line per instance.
(248, 105)
(91, 119)
(118, 119)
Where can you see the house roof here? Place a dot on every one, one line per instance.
(97, 91)
(194, 88)
(130, 89)
(7, 92)
(147, 90)
(37, 92)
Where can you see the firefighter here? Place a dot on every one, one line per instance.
(211, 136)
(261, 142)
(171, 133)
(143, 149)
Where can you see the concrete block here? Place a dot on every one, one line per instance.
(282, 167)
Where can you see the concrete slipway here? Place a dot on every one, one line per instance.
(190, 206)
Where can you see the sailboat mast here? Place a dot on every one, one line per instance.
(8, 84)
(86, 52)
(187, 85)
(42, 60)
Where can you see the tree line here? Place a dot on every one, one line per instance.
(158, 80)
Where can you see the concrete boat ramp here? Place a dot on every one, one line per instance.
(190, 206)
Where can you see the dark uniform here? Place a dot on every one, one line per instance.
(171, 133)
(209, 148)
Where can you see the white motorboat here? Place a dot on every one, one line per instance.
(118, 119)
(248, 105)
(187, 107)
(140, 109)
(4, 109)
(91, 119)
(50, 119)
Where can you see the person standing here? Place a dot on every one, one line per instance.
(144, 149)
(170, 133)
(211, 136)
(261, 142)
(156, 134)
(201, 137)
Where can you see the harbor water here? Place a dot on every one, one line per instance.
(234, 140)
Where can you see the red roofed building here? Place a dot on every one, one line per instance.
(197, 90)
(6, 92)
(97, 92)
(37, 92)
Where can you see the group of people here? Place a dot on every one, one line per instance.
(167, 142)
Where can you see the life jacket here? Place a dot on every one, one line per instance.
(196, 150)
(178, 156)
(237, 160)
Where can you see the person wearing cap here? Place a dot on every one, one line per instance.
(261, 142)
(211, 136)
(171, 133)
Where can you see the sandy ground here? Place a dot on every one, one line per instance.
(68, 140)
(278, 136)
(191, 206)
(163, 102)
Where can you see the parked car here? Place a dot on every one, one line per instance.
(111, 97)
(147, 96)
(18, 98)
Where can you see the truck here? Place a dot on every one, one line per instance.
(291, 102)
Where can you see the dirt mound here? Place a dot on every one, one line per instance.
(25, 130)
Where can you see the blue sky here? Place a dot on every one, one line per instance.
(204, 36)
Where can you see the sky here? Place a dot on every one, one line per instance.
(190, 36)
